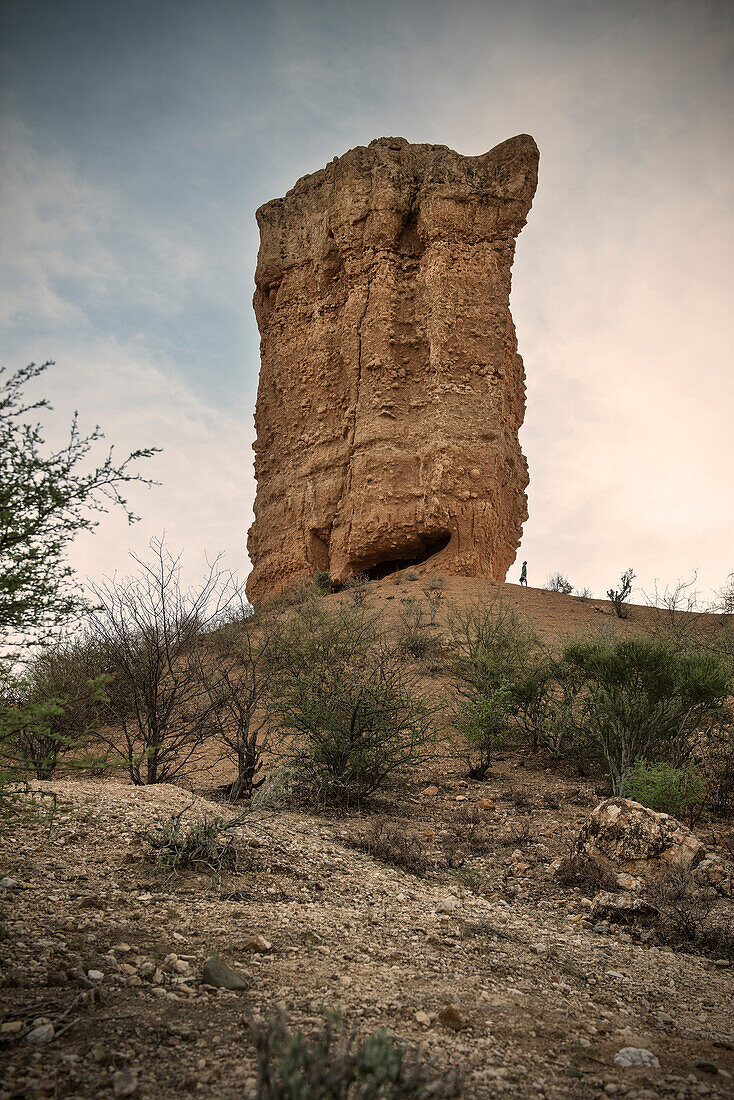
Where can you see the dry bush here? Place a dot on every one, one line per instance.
(578, 871)
(690, 916)
(203, 845)
(391, 843)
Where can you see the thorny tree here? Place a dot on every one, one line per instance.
(237, 668)
(46, 498)
(148, 628)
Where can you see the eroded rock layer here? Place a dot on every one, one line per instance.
(391, 391)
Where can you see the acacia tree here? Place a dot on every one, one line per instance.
(148, 628)
(237, 668)
(47, 497)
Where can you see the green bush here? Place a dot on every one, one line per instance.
(347, 702)
(336, 1066)
(322, 581)
(641, 698)
(493, 649)
(677, 791)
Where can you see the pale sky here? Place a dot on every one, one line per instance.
(138, 138)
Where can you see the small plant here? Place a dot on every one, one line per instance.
(358, 587)
(584, 594)
(390, 843)
(677, 791)
(434, 598)
(334, 1065)
(619, 595)
(578, 871)
(414, 635)
(557, 582)
(202, 845)
(411, 575)
(690, 916)
(322, 582)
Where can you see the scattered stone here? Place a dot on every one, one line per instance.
(44, 1033)
(258, 945)
(451, 1017)
(429, 792)
(707, 1067)
(636, 1056)
(124, 1083)
(217, 973)
(11, 1027)
(95, 975)
(56, 977)
(446, 905)
(422, 1018)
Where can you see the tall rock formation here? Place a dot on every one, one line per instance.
(391, 391)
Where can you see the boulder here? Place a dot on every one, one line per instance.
(622, 836)
(391, 392)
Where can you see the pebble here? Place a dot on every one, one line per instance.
(95, 975)
(636, 1056)
(217, 973)
(259, 945)
(422, 1018)
(42, 1034)
(451, 1017)
(446, 905)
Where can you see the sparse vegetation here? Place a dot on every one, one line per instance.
(202, 845)
(618, 596)
(558, 582)
(347, 703)
(335, 1065)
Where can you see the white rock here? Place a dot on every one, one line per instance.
(636, 1056)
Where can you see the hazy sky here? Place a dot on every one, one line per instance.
(139, 137)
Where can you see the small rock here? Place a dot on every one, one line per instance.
(429, 792)
(11, 1027)
(217, 973)
(636, 1056)
(124, 1083)
(707, 1067)
(42, 1034)
(259, 945)
(422, 1018)
(446, 905)
(451, 1017)
(723, 963)
(95, 975)
(56, 977)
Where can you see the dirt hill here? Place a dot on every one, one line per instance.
(500, 969)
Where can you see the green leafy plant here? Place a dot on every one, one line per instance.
(618, 596)
(334, 1065)
(665, 789)
(347, 703)
(640, 698)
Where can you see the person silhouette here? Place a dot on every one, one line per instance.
(524, 574)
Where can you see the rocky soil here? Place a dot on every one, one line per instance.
(491, 964)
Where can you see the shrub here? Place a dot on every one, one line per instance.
(204, 844)
(557, 582)
(147, 629)
(391, 843)
(52, 709)
(492, 646)
(414, 635)
(347, 701)
(677, 791)
(639, 698)
(322, 582)
(690, 916)
(236, 667)
(358, 586)
(434, 595)
(335, 1066)
(619, 595)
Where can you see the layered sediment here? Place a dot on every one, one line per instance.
(391, 391)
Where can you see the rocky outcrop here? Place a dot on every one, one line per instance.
(624, 836)
(391, 391)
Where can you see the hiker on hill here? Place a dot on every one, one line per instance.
(524, 574)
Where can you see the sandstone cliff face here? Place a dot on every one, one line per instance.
(391, 391)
